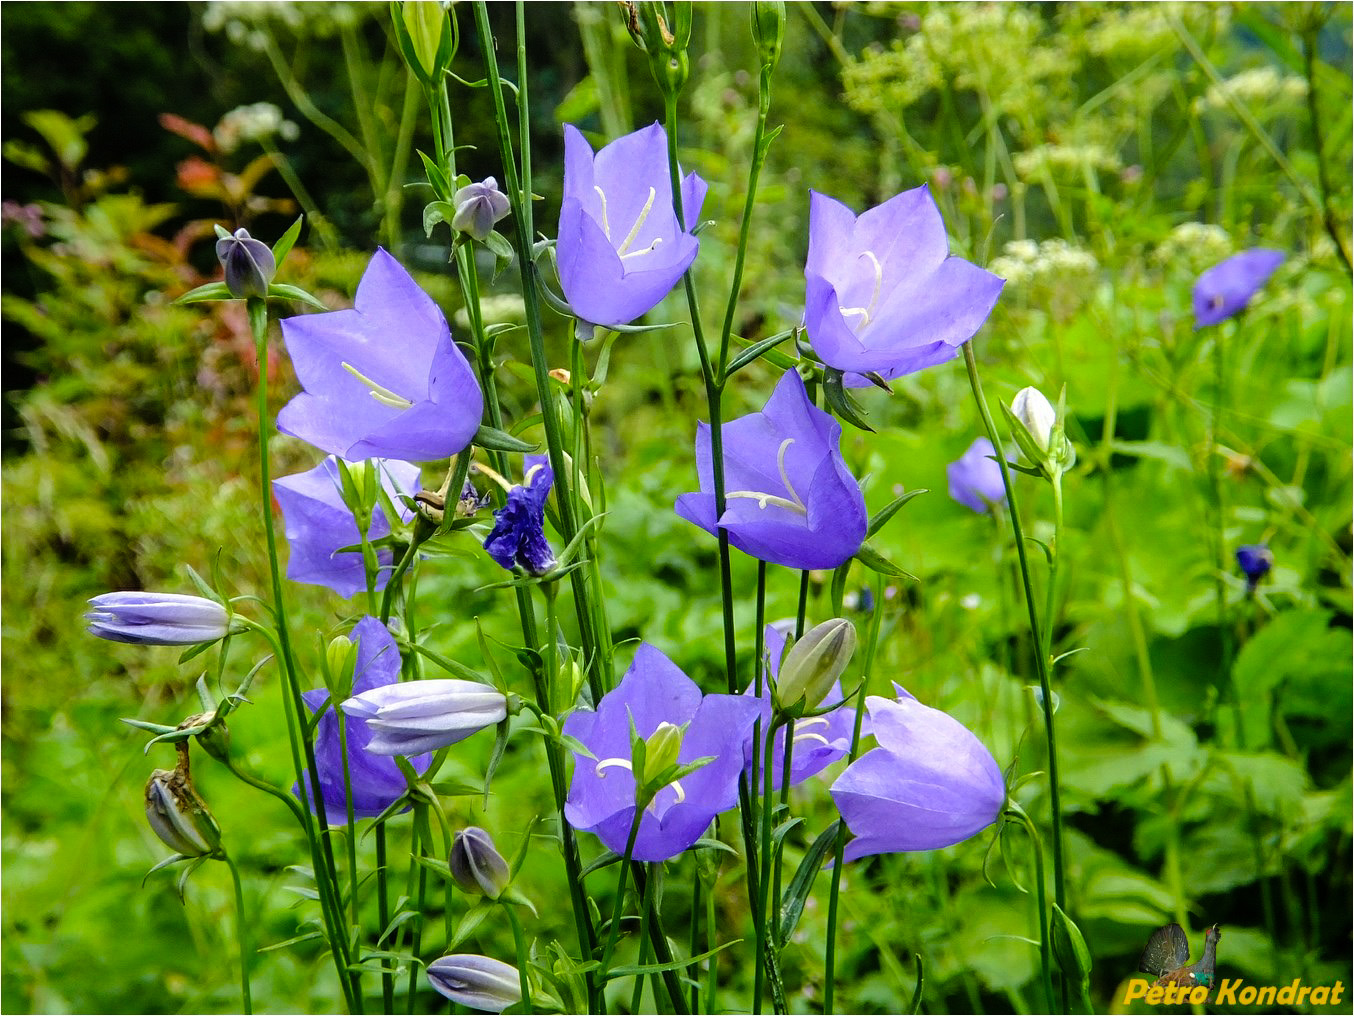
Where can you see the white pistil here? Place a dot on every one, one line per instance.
(613, 763)
(865, 312)
(809, 735)
(380, 393)
(639, 223)
(606, 226)
(792, 503)
(647, 250)
(676, 786)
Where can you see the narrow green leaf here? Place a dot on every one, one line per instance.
(285, 292)
(755, 350)
(877, 562)
(286, 241)
(792, 906)
(209, 291)
(495, 440)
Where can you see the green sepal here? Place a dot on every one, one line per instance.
(287, 241)
(435, 212)
(494, 440)
(792, 906)
(840, 400)
(604, 861)
(914, 1006)
(473, 918)
(881, 517)
(285, 292)
(755, 350)
(495, 757)
(877, 562)
(440, 184)
(203, 293)
(499, 245)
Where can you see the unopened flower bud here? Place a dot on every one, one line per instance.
(661, 749)
(1069, 946)
(178, 815)
(476, 981)
(340, 655)
(249, 264)
(478, 207)
(476, 865)
(1037, 415)
(157, 619)
(426, 37)
(768, 30)
(815, 663)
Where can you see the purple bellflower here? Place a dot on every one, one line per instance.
(518, 536)
(654, 693)
(929, 784)
(790, 498)
(157, 619)
(975, 478)
(1224, 290)
(818, 740)
(376, 781)
(882, 292)
(621, 248)
(1255, 562)
(382, 379)
(318, 523)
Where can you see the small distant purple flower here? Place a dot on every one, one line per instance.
(318, 523)
(602, 794)
(621, 248)
(790, 498)
(478, 207)
(929, 784)
(1224, 290)
(975, 478)
(157, 619)
(882, 291)
(1255, 562)
(376, 780)
(818, 740)
(382, 379)
(518, 536)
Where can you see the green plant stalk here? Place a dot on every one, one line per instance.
(267, 788)
(241, 937)
(694, 942)
(1309, 42)
(645, 908)
(383, 917)
(1041, 901)
(519, 197)
(618, 906)
(419, 847)
(712, 968)
(322, 854)
(767, 941)
(1041, 659)
(520, 941)
(1219, 506)
(839, 849)
(658, 940)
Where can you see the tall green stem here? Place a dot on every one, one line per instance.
(241, 936)
(1041, 901)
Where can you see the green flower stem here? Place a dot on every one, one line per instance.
(637, 992)
(1016, 813)
(694, 943)
(268, 788)
(518, 189)
(712, 964)
(383, 917)
(1337, 235)
(419, 848)
(321, 849)
(618, 905)
(520, 941)
(241, 936)
(423, 530)
(767, 945)
(834, 893)
(658, 939)
(1041, 657)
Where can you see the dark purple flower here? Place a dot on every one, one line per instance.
(929, 784)
(790, 498)
(1224, 290)
(621, 248)
(376, 780)
(476, 865)
(318, 523)
(248, 263)
(1255, 561)
(818, 740)
(382, 379)
(652, 693)
(975, 478)
(882, 293)
(157, 619)
(518, 536)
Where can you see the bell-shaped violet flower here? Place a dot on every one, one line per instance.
(376, 781)
(653, 692)
(882, 292)
(382, 379)
(157, 619)
(418, 716)
(818, 740)
(518, 536)
(621, 248)
(790, 498)
(1224, 290)
(929, 784)
(318, 523)
(975, 478)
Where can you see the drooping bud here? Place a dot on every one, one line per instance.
(478, 207)
(815, 663)
(476, 865)
(249, 264)
(426, 35)
(178, 815)
(476, 981)
(768, 31)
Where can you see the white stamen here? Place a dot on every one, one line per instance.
(639, 222)
(780, 464)
(606, 226)
(613, 763)
(647, 250)
(380, 393)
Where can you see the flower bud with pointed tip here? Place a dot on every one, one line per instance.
(478, 207)
(249, 264)
(661, 749)
(1036, 414)
(768, 30)
(157, 619)
(815, 663)
(476, 981)
(178, 815)
(476, 865)
(426, 36)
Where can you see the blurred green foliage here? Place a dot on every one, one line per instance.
(1082, 150)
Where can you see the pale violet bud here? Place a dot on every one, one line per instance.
(815, 663)
(249, 264)
(417, 716)
(179, 816)
(1036, 414)
(476, 981)
(478, 207)
(476, 865)
(157, 619)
